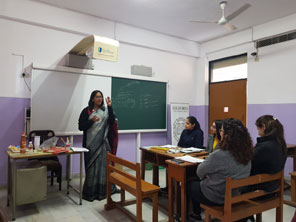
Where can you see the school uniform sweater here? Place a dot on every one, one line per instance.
(191, 138)
(215, 169)
(269, 157)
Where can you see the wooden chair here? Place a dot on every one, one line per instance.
(250, 203)
(292, 187)
(53, 164)
(3, 217)
(133, 184)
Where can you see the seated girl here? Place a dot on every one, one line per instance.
(232, 159)
(192, 135)
(270, 152)
(214, 137)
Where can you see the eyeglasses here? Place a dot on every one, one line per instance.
(221, 131)
(213, 127)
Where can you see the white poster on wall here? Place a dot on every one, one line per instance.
(179, 112)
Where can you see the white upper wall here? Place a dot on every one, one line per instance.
(54, 17)
(272, 79)
(45, 37)
(275, 27)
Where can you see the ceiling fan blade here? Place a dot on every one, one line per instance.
(204, 21)
(238, 12)
(229, 26)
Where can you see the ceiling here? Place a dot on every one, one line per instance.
(172, 17)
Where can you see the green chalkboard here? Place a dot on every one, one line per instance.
(139, 104)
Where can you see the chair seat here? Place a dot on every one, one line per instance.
(244, 209)
(52, 165)
(130, 185)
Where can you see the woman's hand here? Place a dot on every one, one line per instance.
(108, 101)
(95, 118)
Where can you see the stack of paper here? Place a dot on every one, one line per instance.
(190, 159)
(79, 149)
(169, 146)
(191, 150)
(173, 151)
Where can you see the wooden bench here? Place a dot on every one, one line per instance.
(133, 184)
(248, 204)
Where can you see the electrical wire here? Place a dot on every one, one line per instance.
(26, 83)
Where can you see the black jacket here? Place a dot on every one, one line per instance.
(191, 138)
(269, 157)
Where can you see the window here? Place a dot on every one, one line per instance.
(228, 69)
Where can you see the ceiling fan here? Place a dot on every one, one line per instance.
(224, 21)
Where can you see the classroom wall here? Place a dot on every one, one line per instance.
(271, 80)
(44, 38)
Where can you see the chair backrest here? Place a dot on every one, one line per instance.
(119, 161)
(44, 134)
(251, 194)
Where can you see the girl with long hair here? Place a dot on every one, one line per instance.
(270, 152)
(232, 159)
(214, 136)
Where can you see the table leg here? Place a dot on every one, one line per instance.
(8, 180)
(143, 162)
(183, 199)
(170, 189)
(155, 175)
(13, 188)
(80, 187)
(68, 173)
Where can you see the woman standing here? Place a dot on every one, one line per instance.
(232, 159)
(94, 121)
(214, 137)
(192, 135)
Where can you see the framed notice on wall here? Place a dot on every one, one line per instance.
(179, 113)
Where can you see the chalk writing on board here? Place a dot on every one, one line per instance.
(134, 100)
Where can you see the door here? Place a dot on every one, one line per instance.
(228, 100)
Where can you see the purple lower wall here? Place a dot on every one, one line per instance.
(202, 115)
(12, 120)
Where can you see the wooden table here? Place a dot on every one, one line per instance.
(292, 153)
(11, 187)
(177, 172)
(158, 158)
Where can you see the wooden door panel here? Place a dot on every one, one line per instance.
(230, 94)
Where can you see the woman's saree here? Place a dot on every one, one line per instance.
(94, 187)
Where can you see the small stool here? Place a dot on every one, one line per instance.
(31, 185)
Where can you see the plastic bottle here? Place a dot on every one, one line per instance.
(23, 143)
(68, 145)
(30, 147)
